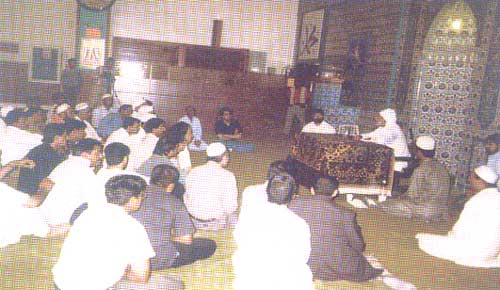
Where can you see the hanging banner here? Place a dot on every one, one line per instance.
(92, 52)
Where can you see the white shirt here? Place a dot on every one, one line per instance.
(17, 220)
(142, 152)
(475, 238)
(322, 128)
(101, 244)
(197, 133)
(211, 192)
(106, 174)
(17, 143)
(273, 247)
(253, 197)
(90, 131)
(391, 136)
(494, 163)
(74, 183)
(3, 127)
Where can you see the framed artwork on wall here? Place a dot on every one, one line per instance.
(310, 35)
(45, 65)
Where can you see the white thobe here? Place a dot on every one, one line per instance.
(3, 127)
(322, 128)
(74, 183)
(475, 238)
(391, 136)
(494, 163)
(142, 151)
(17, 220)
(17, 143)
(273, 247)
(90, 131)
(122, 136)
(197, 133)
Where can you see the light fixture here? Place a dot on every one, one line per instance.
(456, 25)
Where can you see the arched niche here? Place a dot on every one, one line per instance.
(444, 107)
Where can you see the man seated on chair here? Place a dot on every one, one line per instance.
(474, 240)
(336, 241)
(429, 191)
(190, 118)
(230, 132)
(168, 224)
(318, 124)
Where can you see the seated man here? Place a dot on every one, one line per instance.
(211, 193)
(108, 105)
(229, 131)
(128, 134)
(155, 129)
(429, 191)
(113, 121)
(168, 224)
(16, 142)
(336, 241)
(73, 182)
(273, 244)
(83, 113)
(474, 240)
(75, 131)
(13, 207)
(492, 145)
(318, 124)
(190, 118)
(108, 248)
(46, 157)
(116, 156)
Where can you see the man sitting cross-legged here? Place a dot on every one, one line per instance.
(474, 240)
(190, 118)
(230, 132)
(211, 193)
(109, 249)
(168, 224)
(273, 243)
(336, 241)
(429, 191)
(72, 183)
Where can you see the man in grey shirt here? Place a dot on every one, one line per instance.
(168, 224)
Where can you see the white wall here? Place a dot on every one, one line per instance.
(47, 23)
(259, 25)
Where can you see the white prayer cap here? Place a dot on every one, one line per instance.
(426, 143)
(106, 96)
(215, 149)
(143, 117)
(62, 108)
(487, 174)
(5, 110)
(145, 109)
(81, 107)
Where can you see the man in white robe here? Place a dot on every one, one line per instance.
(129, 134)
(83, 113)
(15, 143)
(474, 240)
(190, 118)
(492, 145)
(155, 129)
(390, 134)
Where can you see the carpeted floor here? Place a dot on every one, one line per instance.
(27, 264)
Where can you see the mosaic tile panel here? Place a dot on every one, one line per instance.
(327, 97)
(444, 107)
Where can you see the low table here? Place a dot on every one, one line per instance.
(360, 167)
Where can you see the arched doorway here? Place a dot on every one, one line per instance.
(443, 106)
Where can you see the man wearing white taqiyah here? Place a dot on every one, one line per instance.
(474, 240)
(83, 114)
(190, 118)
(211, 193)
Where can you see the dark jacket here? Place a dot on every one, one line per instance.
(336, 242)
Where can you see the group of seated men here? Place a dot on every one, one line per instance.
(281, 242)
